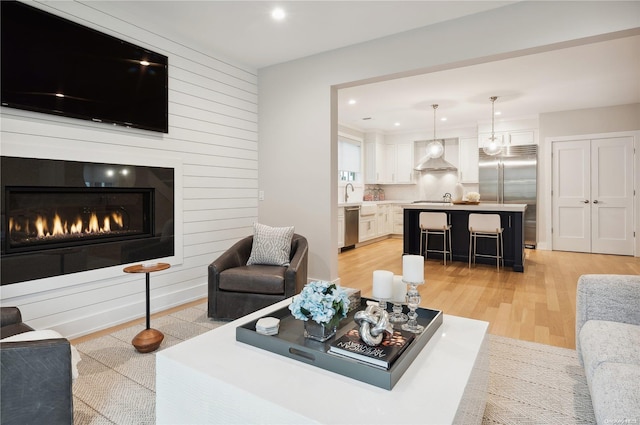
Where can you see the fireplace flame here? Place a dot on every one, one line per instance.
(41, 227)
(58, 229)
(93, 224)
(45, 228)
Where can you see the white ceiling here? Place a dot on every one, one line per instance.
(600, 74)
(594, 75)
(245, 32)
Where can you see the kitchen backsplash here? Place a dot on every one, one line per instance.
(429, 186)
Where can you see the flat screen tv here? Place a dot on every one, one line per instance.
(56, 66)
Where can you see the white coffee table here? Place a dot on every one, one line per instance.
(214, 379)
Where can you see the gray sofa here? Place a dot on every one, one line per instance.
(608, 342)
(36, 376)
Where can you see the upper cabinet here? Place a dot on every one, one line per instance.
(468, 154)
(387, 163)
(514, 137)
(404, 163)
(375, 170)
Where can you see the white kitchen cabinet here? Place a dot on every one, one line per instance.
(403, 172)
(398, 219)
(384, 221)
(368, 217)
(367, 229)
(340, 227)
(524, 137)
(515, 137)
(468, 165)
(375, 171)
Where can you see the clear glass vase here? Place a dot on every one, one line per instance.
(318, 331)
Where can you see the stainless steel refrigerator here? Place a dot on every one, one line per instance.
(510, 178)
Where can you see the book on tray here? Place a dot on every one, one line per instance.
(383, 355)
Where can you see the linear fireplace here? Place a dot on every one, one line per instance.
(49, 217)
(62, 217)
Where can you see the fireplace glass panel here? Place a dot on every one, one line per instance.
(48, 217)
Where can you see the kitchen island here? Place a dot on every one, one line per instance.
(511, 215)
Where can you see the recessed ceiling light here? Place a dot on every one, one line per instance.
(397, 124)
(352, 101)
(443, 119)
(498, 113)
(278, 14)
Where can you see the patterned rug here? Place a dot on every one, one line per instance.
(529, 383)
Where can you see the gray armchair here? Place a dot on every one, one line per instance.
(36, 376)
(236, 289)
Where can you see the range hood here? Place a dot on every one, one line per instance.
(427, 163)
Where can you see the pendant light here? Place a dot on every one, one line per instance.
(492, 146)
(435, 149)
(434, 159)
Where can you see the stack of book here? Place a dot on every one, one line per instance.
(382, 356)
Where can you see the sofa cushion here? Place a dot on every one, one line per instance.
(271, 245)
(603, 341)
(256, 279)
(615, 392)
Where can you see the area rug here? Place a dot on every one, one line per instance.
(529, 383)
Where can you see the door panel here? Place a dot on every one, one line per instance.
(612, 193)
(593, 196)
(571, 196)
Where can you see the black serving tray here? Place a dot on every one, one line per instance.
(290, 342)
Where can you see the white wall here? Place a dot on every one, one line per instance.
(297, 109)
(212, 142)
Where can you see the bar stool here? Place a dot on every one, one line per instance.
(435, 223)
(486, 226)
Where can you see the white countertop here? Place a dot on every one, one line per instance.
(467, 207)
(360, 203)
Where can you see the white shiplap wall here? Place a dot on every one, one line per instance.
(213, 145)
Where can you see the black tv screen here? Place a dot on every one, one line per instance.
(56, 66)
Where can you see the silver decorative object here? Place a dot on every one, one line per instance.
(398, 316)
(413, 301)
(373, 322)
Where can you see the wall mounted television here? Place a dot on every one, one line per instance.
(52, 65)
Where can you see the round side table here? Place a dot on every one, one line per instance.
(149, 339)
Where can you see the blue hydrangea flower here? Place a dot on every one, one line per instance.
(321, 301)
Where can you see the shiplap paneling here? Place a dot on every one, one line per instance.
(212, 143)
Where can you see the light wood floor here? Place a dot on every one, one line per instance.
(538, 305)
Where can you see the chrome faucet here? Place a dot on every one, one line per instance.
(346, 195)
(447, 197)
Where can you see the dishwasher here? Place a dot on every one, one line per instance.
(351, 223)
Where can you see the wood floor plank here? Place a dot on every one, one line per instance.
(537, 305)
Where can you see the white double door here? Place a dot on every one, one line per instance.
(593, 196)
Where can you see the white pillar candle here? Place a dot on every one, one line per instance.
(413, 268)
(399, 290)
(382, 284)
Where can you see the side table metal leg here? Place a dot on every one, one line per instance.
(148, 303)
